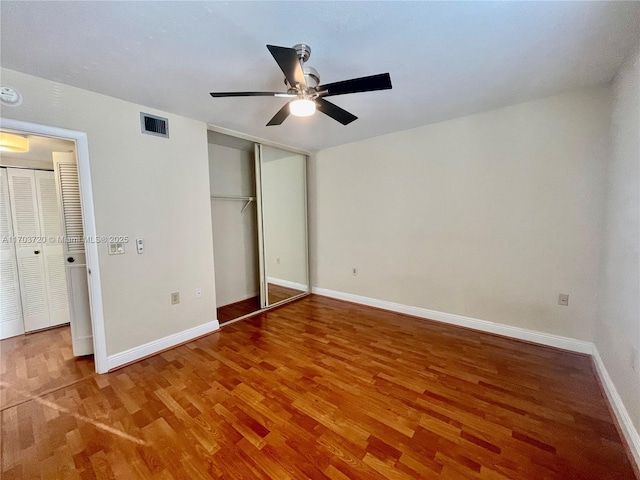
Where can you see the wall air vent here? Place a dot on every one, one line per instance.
(153, 125)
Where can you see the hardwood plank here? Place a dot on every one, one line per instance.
(238, 309)
(277, 293)
(235, 310)
(316, 389)
(38, 363)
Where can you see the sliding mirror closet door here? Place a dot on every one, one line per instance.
(233, 219)
(283, 203)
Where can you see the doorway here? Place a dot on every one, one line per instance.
(44, 279)
(34, 285)
(87, 272)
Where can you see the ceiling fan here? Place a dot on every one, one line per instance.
(303, 87)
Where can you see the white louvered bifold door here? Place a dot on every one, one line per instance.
(30, 260)
(66, 170)
(53, 247)
(67, 173)
(11, 322)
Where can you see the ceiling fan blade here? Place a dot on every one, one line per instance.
(335, 112)
(251, 94)
(289, 63)
(279, 117)
(381, 81)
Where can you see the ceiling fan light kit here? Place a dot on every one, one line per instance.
(302, 107)
(303, 87)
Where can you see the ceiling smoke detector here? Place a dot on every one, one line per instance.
(10, 97)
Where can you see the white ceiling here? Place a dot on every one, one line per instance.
(446, 59)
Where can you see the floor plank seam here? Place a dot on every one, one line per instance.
(45, 393)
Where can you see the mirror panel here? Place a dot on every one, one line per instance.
(284, 224)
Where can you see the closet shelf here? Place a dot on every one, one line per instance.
(235, 197)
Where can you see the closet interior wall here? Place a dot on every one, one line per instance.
(233, 218)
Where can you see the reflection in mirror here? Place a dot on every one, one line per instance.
(284, 224)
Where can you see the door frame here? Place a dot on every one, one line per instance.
(89, 225)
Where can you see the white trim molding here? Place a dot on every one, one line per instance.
(138, 353)
(580, 346)
(548, 339)
(286, 283)
(251, 138)
(241, 299)
(624, 419)
(88, 222)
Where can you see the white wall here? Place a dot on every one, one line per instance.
(235, 236)
(489, 216)
(618, 326)
(144, 186)
(6, 161)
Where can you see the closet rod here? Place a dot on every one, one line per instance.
(233, 197)
(236, 197)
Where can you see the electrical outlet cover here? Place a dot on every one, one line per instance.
(175, 298)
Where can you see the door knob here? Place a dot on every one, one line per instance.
(71, 259)
(36, 252)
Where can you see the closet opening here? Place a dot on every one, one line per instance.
(259, 221)
(45, 304)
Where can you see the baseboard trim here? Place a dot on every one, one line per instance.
(12, 329)
(138, 353)
(622, 415)
(533, 336)
(241, 299)
(286, 283)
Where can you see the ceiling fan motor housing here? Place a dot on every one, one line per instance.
(311, 76)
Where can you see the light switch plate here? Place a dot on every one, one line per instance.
(116, 248)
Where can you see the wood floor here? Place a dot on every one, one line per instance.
(39, 363)
(238, 309)
(278, 293)
(235, 310)
(323, 389)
